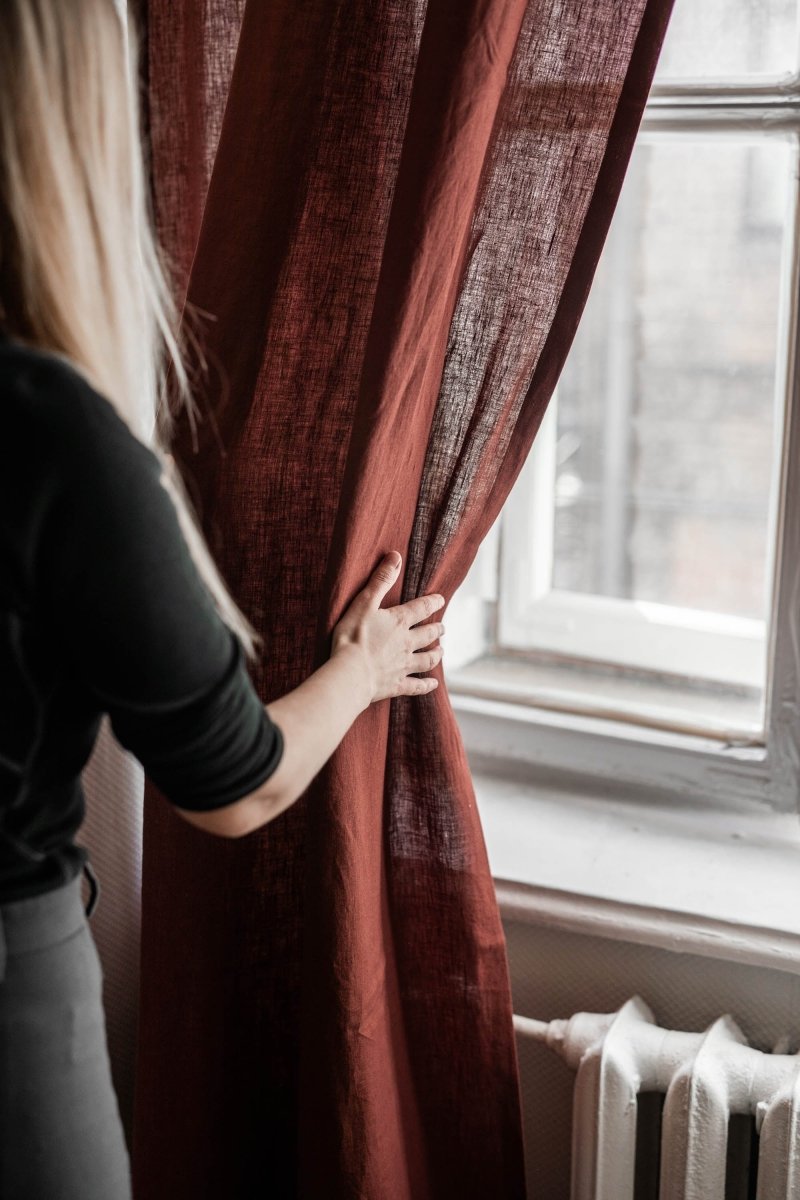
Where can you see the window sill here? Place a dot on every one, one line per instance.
(688, 878)
(591, 691)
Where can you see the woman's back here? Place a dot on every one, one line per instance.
(102, 610)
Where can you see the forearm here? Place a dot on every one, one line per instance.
(313, 719)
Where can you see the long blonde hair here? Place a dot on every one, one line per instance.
(81, 274)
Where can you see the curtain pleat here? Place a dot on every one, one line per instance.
(388, 238)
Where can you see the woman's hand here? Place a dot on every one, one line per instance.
(392, 648)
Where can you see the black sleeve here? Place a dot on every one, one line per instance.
(114, 576)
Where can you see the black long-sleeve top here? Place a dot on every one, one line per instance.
(102, 610)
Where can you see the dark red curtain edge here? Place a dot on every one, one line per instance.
(588, 248)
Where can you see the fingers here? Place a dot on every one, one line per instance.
(382, 578)
(417, 610)
(423, 635)
(418, 687)
(426, 660)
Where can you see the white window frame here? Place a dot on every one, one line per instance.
(657, 637)
(539, 738)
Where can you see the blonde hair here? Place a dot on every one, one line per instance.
(81, 274)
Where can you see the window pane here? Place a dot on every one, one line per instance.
(713, 39)
(666, 422)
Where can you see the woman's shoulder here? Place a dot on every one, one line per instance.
(50, 405)
(21, 361)
(71, 470)
(37, 381)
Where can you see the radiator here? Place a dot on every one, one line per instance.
(703, 1077)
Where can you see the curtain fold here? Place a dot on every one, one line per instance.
(390, 215)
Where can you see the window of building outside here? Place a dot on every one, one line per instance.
(639, 588)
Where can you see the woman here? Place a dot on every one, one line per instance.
(109, 599)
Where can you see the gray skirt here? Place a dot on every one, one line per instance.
(61, 1136)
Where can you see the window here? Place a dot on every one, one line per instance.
(633, 615)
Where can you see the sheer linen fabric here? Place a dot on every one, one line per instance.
(391, 214)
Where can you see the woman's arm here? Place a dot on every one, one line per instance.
(377, 653)
(313, 719)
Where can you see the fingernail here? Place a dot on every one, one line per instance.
(394, 560)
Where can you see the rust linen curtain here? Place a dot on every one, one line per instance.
(391, 213)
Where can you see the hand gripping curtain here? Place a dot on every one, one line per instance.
(390, 214)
